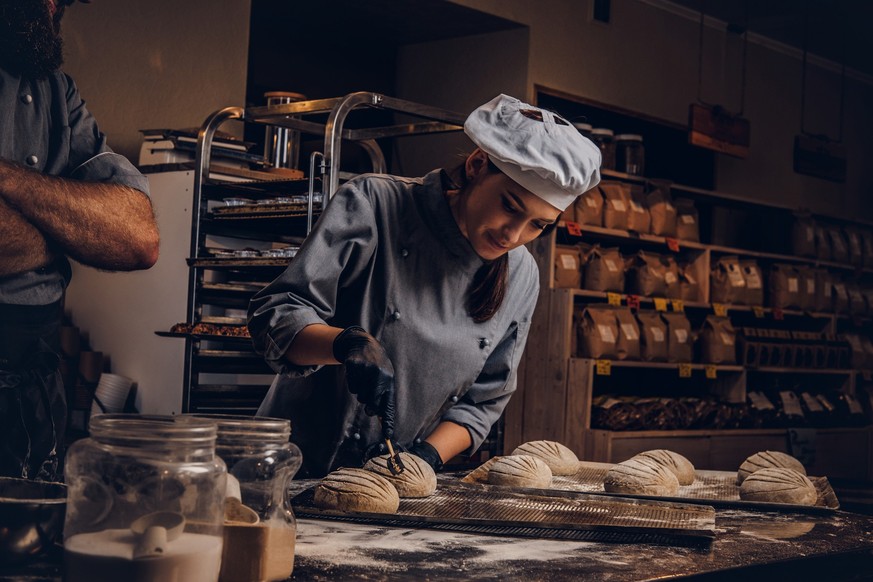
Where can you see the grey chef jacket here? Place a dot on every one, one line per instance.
(44, 125)
(388, 255)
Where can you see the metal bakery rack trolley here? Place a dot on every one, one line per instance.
(269, 218)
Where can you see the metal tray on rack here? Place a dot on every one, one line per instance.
(539, 514)
(715, 488)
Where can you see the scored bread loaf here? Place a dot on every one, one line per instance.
(641, 476)
(560, 459)
(520, 471)
(778, 485)
(417, 480)
(674, 462)
(356, 490)
(767, 460)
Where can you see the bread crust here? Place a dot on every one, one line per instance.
(520, 471)
(560, 459)
(356, 490)
(417, 480)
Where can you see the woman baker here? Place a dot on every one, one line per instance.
(423, 291)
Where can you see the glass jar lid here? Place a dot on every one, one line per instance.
(628, 137)
(601, 131)
(583, 126)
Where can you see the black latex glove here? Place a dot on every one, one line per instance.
(427, 453)
(369, 374)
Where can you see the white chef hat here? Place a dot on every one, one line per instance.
(536, 148)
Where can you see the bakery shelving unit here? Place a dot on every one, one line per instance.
(222, 374)
(557, 389)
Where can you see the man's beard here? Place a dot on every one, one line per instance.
(30, 40)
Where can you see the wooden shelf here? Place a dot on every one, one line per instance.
(666, 365)
(821, 371)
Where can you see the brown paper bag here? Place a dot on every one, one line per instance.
(855, 245)
(687, 220)
(628, 347)
(653, 336)
(823, 291)
(784, 284)
(754, 279)
(589, 207)
(646, 275)
(604, 270)
(803, 236)
(718, 341)
(822, 243)
(806, 282)
(616, 204)
(839, 248)
(568, 272)
(839, 296)
(598, 333)
(680, 341)
(867, 248)
(638, 218)
(689, 287)
(662, 211)
(726, 282)
(672, 285)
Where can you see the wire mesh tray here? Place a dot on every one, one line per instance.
(715, 488)
(534, 513)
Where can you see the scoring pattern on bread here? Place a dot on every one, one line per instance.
(520, 471)
(560, 459)
(674, 462)
(641, 476)
(767, 460)
(356, 490)
(778, 485)
(417, 480)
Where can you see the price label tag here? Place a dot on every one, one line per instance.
(613, 299)
(574, 228)
(603, 367)
(633, 301)
(673, 244)
(660, 304)
(720, 309)
(678, 305)
(684, 370)
(758, 311)
(778, 314)
(710, 372)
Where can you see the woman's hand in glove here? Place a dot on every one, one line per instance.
(369, 374)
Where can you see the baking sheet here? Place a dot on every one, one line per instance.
(716, 488)
(536, 513)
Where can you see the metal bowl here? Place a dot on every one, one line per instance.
(31, 517)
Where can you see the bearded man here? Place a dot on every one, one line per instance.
(63, 193)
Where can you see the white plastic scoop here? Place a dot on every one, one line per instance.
(154, 531)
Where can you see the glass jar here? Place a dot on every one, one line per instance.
(259, 529)
(145, 501)
(584, 129)
(604, 140)
(630, 154)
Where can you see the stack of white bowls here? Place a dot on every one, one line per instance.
(112, 392)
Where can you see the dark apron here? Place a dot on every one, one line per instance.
(33, 406)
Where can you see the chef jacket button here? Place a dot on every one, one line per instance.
(417, 441)
(404, 253)
(382, 447)
(357, 436)
(27, 99)
(484, 342)
(454, 398)
(32, 160)
(396, 315)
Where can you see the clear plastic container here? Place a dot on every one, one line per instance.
(260, 528)
(604, 139)
(630, 154)
(145, 501)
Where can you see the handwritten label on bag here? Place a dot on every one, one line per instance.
(753, 281)
(684, 370)
(811, 403)
(727, 339)
(760, 402)
(854, 405)
(657, 335)
(618, 205)
(670, 278)
(606, 334)
(810, 286)
(682, 336)
(603, 367)
(568, 262)
(710, 372)
(613, 299)
(610, 265)
(590, 201)
(660, 304)
(687, 219)
(630, 331)
(790, 403)
(793, 287)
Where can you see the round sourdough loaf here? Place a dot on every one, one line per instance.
(356, 490)
(676, 463)
(520, 471)
(778, 485)
(641, 476)
(767, 460)
(417, 480)
(560, 459)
